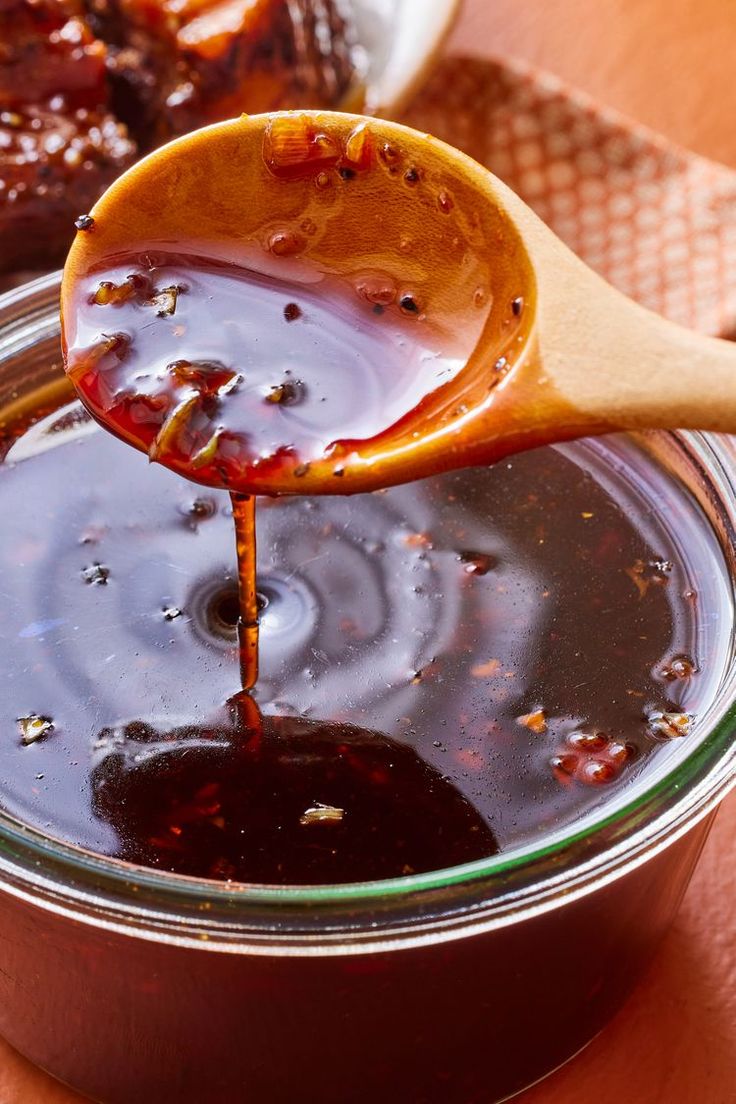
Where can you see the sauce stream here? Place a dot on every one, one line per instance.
(220, 372)
(244, 516)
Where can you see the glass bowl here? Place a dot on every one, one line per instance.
(454, 987)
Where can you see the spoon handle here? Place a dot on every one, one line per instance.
(679, 379)
(607, 363)
(636, 370)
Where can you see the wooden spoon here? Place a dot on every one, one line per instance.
(548, 350)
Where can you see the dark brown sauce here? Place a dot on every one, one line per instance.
(227, 375)
(208, 802)
(244, 517)
(458, 666)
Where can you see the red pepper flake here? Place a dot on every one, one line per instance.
(536, 721)
(34, 727)
(679, 667)
(287, 393)
(669, 726)
(564, 767)
(109, 294)
(636, 574)
(359, 147)
(116, 344)
(489, 669)
(222, 869)
(376, 288)
(417, 540)
(390, 155)
(593, 758)
(321, 814)
(207, 376)
(588, 741)
(285, 243)
(445, 202)
(476, 563)
(294, 146)
(165, 300)
(597, 772)
(651, 573)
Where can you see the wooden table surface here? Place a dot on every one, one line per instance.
(668, 63)
(675, 1041)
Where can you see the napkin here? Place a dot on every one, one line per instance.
(655, 220)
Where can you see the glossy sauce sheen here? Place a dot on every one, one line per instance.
(217, 370)
(447, 669)
(244, 518)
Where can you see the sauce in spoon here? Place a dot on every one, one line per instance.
(224, 375)
(275, 328)
(231, 377)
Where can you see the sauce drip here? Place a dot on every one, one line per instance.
(244, 516)
(219, 372)
(230, 376)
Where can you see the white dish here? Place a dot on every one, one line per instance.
(401, 39)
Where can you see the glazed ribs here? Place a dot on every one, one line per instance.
(86, 85)
(59, 144)
(176, 64)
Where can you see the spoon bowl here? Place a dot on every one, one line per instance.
(530, 345)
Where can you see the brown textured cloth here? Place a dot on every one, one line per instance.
(655, 220)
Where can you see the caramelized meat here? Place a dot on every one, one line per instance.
(46, 48)
(53, 166)
(176, 64)
(59, 144)
(86, 84)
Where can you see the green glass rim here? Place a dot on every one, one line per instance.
(659, 812)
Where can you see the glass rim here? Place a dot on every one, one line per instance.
(607, 843)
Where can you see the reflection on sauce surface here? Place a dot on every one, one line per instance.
(227, 375)
(506, 631)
